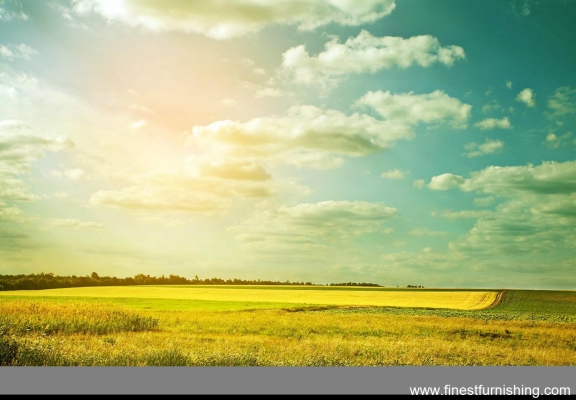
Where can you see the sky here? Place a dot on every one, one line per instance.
(398, 142)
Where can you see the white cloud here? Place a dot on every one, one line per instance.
(525, 10)
(426, 232)
(19, 149)
(465, 214)
(65, 12)
(365, 54)
(413, 108)
(21, 51)
(314, 137)
(60, 195)
(7, 15)
(492, 106)
(75, 174)
(138, 124)
(418, 183)
(306, 127)
(263, 91)
(224, 20)
(474, 149)
(548, 178)
(74, 224)
(554, 141)
(216, 191)
(247, 62)
(562, 102)
(12, 214)
(491, 123)
(237, 171)
(527, 97)
(311, 226)
(483, 201)
(445, 182)
(394, 174)
(526, 225)
(138, 107)
(509, 84)
(531, 232)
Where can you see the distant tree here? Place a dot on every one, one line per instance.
(94, 275)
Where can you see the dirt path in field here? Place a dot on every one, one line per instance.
(498, 300)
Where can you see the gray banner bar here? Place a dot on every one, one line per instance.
(283, 380)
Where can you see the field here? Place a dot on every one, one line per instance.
(285, 326)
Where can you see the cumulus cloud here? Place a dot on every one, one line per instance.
(464, 214)
(8, 15)
(138, 107)
(426, 232)
(21, 51)
(554, 141)
(509, 84)
(311, 226)
(418, 183)
(394, 174)
(550, 177)
(562, 102)
(365, 54)
(11, 213)
(232, 18)
(527, 97)
(491, 123)
(263, 91)
(534, 225)
(74, 174)
(238, 171)
(74, 224)
(138, 124)
(306, 127)
(413, 108)
(483, 201)
(474, 149)
(525, 10)
(445, 182)
(315, 137)
(60, 195)
(184, 192)
(492, 106)
(526, 225)
(19, 149)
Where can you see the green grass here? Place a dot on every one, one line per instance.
(521, 305)
(538, 302)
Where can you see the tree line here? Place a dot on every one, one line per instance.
(51, 281)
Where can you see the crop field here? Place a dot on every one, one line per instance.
(285, 296)
(285, 326)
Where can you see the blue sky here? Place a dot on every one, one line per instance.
(394, 142)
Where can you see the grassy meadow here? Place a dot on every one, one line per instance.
(285, 326)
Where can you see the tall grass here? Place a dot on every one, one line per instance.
(92, 334)
(24, 316)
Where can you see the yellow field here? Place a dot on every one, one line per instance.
(223, 326)
(457, 300)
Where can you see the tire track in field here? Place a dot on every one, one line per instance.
(498, 300)
(480, 303)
